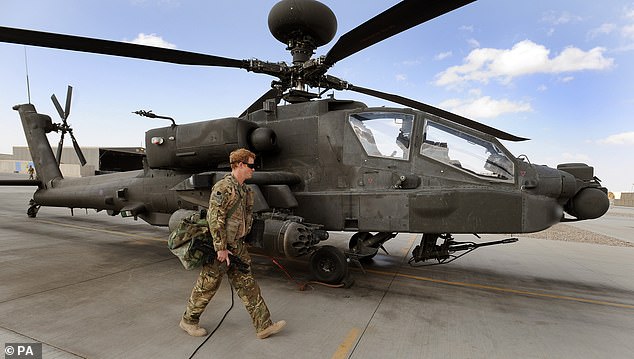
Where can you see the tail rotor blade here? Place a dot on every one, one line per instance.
(60, 146)
(69, 94)
(64, 127)
(80, 154)
(58, 107)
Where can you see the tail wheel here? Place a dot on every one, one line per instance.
(32, 211)
(328, 264)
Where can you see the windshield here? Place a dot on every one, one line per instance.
(384, 134)
(465, 151)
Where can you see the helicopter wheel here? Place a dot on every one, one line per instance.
(359, 248)
(328, 264)
(32, 211)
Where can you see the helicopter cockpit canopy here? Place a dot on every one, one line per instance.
(387, 135)
(475, 155)
(384, 134)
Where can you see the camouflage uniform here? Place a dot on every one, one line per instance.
(228, 233)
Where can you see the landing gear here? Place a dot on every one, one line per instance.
(33, 208)
(443, 251)
(328, 264)
(359, 247)
(365, 245)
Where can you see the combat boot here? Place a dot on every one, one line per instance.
(271, 329)
(192, 329)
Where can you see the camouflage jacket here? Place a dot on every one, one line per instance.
(225, 194)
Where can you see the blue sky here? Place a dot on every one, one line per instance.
(558, 72)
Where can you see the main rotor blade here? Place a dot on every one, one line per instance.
(257, 104)
(58, 107)
(398, 18)
(115, 48)
(69, 94)
(438, 112)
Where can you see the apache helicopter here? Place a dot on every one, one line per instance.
(323, 164)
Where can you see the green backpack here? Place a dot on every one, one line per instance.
(191, 241)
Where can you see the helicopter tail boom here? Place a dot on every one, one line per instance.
(36, 126)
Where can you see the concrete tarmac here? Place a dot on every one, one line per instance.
(94, 286)
(619, 224)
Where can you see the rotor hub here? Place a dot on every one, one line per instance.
(302, 25)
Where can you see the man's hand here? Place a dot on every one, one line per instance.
(223, 256)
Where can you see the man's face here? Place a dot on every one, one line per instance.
(246, 171)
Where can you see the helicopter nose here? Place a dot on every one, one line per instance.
(574, 187)
(588, 203)
(590, 199)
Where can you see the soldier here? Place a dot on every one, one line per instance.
(230, 216)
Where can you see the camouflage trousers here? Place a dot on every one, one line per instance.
(248, 290)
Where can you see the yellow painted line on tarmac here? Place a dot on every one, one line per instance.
(502, 289)
(346, 344)
(119, 233)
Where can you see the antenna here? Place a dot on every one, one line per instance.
(26, 66)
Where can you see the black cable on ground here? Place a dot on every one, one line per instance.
(217, 326)
(303, 285)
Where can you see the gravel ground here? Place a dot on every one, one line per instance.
(564, 232)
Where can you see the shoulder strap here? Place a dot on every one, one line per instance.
(235, 206)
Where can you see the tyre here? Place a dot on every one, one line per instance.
(328, 264)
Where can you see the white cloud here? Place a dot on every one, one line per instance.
(628, 31)
(560, 18)
(475, 92)
(473, 43)
(574, 59)
(152, 40)
(443, 55)
(625, 48)
(401, 77)
(484, 107)
(468, 28)
(525, 58)
(604, 29)
(567, 79)
(624, 138)
(411, 62)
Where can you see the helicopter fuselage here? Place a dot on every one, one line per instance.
(346, 167)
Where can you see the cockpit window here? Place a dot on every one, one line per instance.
(465, 151)
(384, 134)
